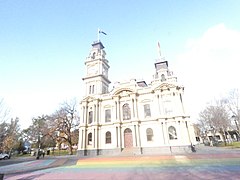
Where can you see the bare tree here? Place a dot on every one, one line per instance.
(4, 111)
(233, 104)
(65, 121)
(215, 118)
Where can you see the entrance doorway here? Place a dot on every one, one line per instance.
(128, 140)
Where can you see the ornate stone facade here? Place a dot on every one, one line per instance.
(134, 116)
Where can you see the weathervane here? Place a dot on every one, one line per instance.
(98, 34)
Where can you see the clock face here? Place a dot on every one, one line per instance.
(92, 70)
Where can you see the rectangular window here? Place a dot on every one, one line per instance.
(90, 139)
(90, 117)
(90, 89)
(93, 89)
(147, 110)
(168, 107)
(107, 115)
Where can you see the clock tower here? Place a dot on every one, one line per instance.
(96, 78)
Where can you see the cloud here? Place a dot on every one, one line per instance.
(209, 67)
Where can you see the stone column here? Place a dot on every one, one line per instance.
(115, 111)
(94, 138)
(117, 136)
(136, 106)
(180, 96)
(139, 135)
(86, 115)
(158, 104)
(119, 110)
(163, 133)
(97, 116)
(132, 109)
(100, 112)
(120, 136)
(135, 135)
(85, 138)
(94, 114)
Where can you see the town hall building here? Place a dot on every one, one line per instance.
(133, 117)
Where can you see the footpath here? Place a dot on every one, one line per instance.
(206, 163)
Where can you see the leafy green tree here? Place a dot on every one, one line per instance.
(37, 133)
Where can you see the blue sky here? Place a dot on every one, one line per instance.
(44, 43)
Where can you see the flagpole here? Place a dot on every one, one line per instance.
(98, 35)
(159, 51)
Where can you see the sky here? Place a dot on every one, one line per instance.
(44, 43)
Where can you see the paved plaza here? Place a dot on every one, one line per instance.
(207, 163)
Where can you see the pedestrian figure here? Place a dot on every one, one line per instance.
(211, 143)
(43, 153)
(193, 148)
(37, 154)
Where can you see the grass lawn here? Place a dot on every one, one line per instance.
(231, 145)
(61, 152)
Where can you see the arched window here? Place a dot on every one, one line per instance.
(108, 138)
(172, 133)
(149, 133)
(163, 78)
(126, 112)
(93, 55)
(90, 139)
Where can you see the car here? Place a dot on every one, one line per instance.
(4, 156)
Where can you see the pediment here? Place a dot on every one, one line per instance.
(165, 86)
(146, 101)
(123, 92)
(89, 98)
(107, 106)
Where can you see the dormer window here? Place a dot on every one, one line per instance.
(163, 78)
(93, 55)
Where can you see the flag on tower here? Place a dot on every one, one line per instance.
(102, 32)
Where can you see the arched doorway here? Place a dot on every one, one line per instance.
(128, 140)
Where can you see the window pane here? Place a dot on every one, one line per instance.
(93, 89)
(108, 115)
(147, 111)
(90, 89)
(90, 118)
(163, 78)
(108, 138)
(172, 133)
(90, 139)
(126, 112)
(149, 133)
